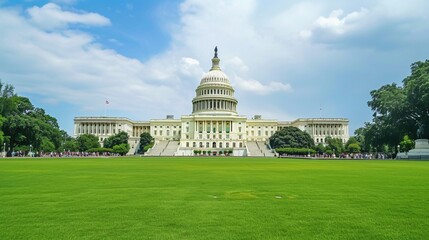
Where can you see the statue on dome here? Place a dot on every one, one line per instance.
(215, 52)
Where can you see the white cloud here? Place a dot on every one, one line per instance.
(71, 67)
(190, 67)
(237, 64)
(70, 2)
(305, 34)
(338, 24)
(51, 16)
(259, 88)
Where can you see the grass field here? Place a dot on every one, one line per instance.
(213, 198)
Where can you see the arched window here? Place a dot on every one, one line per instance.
(220, 145)
(207, 144)
(214, 145)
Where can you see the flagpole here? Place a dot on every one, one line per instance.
(106, 106)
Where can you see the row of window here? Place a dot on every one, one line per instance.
(166, 126)
(214, 92)
(217, 79)
(200, 130)
(252, 133)
(321, 140)
(326, 126)
(259, 127)
(214, 145)
(331, 132)
(213, 136)
(90, 130)
(155, 133)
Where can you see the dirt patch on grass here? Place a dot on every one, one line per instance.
(241, 195)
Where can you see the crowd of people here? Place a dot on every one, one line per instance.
(108, 154)
(345, 156)
(59, 154)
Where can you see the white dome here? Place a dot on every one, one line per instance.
(214, 95)
(215, 76)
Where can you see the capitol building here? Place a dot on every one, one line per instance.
(214, 125)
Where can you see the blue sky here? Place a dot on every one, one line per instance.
(286, 59)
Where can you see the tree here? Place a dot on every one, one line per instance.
(71, 145)
(20, 130)
(87, 141)
(335, 145)
(145, 140)
(120, 138)
(416, 88)
(360, 137)
(352, 145)
(47, 146)
(24, 125)
(320, 148)
(291, 137)
(121, 149)
(7, 94)
(406, 144)
(2, 138)
(399, 111)
(353, 148)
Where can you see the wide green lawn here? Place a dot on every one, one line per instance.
(213, 198)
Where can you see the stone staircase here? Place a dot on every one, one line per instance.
(157, 149)
(253, 149)
(170, 149)
(133, 145)
(265, 149)
(258, 149)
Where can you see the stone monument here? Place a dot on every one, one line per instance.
(421, 149)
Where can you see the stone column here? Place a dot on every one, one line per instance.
(204, 128)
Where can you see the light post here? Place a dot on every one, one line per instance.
(308, 149)
(30, 150)
(4, 149)
(64, 144)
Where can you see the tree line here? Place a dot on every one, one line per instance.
(400, 115)
(293, 141)
(25, 128)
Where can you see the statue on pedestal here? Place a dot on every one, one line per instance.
(421, 149)
(420, 130)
